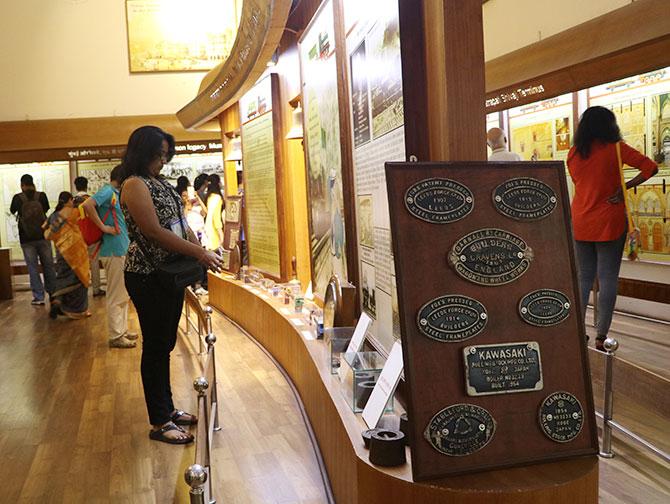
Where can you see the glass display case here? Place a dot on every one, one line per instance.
(359, 373)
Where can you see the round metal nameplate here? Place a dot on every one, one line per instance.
(439, 200)
(544, 307)
(524, 199)
(561, 417)
(452, 318)
(490, 257)
(460, 430)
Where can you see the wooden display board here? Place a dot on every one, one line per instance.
(493, 340)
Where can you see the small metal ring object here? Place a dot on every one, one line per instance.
(387, 448)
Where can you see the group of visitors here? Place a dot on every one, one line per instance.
(147, 223)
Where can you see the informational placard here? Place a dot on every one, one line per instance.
(322, 147)
(358, 337)
(494, 347)
(260, 180)
(260, 191)
(373, 48)
(50, 178)
(384, 388)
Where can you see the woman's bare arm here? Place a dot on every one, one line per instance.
(137, 199)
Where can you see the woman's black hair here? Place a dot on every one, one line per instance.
(597, 124)
(63, 198)
(199, 181)
(182, 184)
(144, 146)
(213, 186)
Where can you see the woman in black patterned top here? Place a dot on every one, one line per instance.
(156, 229)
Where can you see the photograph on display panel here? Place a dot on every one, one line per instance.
(373, 51)
(322, 148)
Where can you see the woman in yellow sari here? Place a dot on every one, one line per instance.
(73, 273)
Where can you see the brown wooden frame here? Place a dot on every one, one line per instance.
(564, 354)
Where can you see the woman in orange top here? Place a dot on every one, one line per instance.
(599, 220)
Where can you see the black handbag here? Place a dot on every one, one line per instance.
(181, 271)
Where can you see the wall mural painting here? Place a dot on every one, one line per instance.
(324, 161)
(177, 36)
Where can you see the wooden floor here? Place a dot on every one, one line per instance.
(74, 427)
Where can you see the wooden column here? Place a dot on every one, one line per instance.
(443, 91)
(229, 120)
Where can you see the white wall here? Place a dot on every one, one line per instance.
(69, 58)
(512, 24)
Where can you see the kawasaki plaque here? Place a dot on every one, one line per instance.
(561, 417)
(503, 368)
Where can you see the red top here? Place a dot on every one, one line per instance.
(597, 178)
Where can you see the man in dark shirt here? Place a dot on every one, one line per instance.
(34, 247)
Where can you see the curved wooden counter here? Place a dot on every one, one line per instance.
(338, 430)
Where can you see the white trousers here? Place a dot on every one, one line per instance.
(95, 268)
(117, 297)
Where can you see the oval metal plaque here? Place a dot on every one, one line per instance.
(504, 368)
(490, 257)
(460, 430)
(524, 199)
(544, 307)
(561, 417)
(439, 200)
(452, 318)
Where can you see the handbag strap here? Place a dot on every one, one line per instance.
(624, 189)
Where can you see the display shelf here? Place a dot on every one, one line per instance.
(338, 430)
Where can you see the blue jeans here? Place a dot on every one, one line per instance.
(32, 251)
(604, 260)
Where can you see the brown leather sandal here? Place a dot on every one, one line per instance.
(159, 435)
(181, 418)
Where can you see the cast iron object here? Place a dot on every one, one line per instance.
(404, 427)
(387, 448)
(367, 434)
(363, 391)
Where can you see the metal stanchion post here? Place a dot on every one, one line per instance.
(196, 477)
(596, 287)
(210, 339)
(611, 345)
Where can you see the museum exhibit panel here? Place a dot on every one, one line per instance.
(420, 305)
